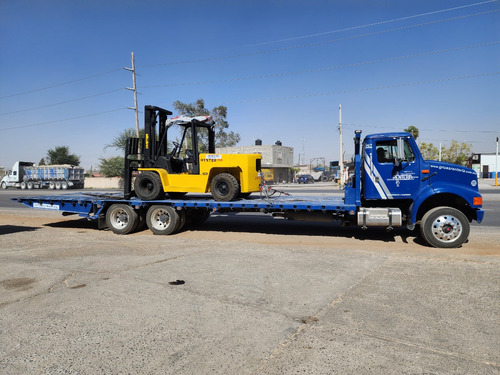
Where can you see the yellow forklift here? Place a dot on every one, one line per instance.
(178, 167)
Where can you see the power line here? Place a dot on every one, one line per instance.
(372, 24)
(313, 70)
(59, 84)
(59, 103)
(315, 44)
(63, 120)
(396, 85)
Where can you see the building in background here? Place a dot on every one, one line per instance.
(277, 160)
(483, 164)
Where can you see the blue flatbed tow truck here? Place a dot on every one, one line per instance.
(392, 186)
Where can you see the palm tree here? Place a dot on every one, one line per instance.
(413, 130)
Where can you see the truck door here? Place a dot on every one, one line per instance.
(388, 176)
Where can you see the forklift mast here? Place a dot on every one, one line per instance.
(153, 148)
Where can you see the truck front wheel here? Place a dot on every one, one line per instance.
(445, 227)
(224, 187)
(148, 186)
(121, 218)
(4, 185)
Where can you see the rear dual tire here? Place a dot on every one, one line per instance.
(165, 220)
(122, 219)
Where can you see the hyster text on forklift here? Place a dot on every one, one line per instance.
(392, 186)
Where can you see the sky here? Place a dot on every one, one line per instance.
(282, 68)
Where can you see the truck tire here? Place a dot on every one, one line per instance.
(52, 185)
(64, 185)
(30, 185)
(121, 218)
(23, 185)
(445, 227)
(224, 187)
(4, 185)
(148, 186)
(58, 185)
(162, 219)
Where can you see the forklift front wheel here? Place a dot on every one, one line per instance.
(148, 186)
(224, 187)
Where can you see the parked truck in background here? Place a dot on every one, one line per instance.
(391, 186)
(26, 175)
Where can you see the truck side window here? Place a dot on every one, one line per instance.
(409, 152)
(388, 150)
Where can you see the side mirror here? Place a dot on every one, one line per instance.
(401, 151)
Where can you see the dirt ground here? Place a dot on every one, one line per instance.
(482, 241)
(243, 295)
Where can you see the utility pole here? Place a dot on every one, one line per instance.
(341, 159)
(134, 89)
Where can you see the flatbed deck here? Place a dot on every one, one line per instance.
(90, 205)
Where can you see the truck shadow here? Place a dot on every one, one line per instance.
(268, 225)
(75, 224)
(264, 224)
(9, 229)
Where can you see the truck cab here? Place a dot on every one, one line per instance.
(15, 176)
(394, 185)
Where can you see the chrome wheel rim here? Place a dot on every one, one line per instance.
(446, 228)
(119, 218)
(160, 219)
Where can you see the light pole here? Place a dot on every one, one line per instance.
(496, 166)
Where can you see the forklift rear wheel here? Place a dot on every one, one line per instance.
(162, 219)
(121, 218)
(148, 186)
(224, 187)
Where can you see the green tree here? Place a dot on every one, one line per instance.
(457, 152)
(413, 130)
(429, 151)
(61, 155)
(120, 141)
(223, 137)
(112, 167)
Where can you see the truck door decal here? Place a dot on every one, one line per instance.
(376, 179)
